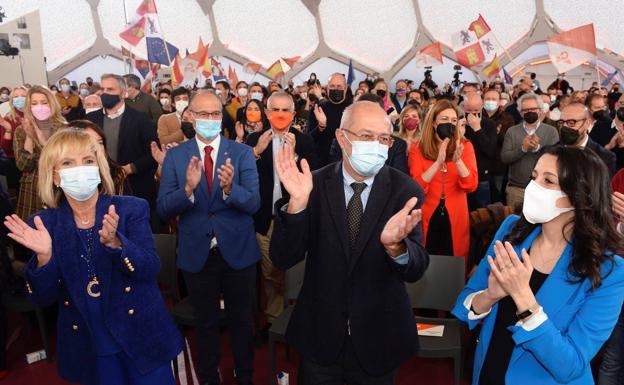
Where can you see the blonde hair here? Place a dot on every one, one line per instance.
(60, 144)
(12, 110)
(428, 144)
(402, 131)
(57, 117)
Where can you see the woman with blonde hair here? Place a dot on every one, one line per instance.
(42, 117)
(94, 255)
(8, 125)
(409, 124)
(444, 165)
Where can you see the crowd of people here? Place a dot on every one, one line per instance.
(363, 184)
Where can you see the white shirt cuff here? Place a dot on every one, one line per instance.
(468, 304)
(538, 148)
(285, 209)
(534, 321)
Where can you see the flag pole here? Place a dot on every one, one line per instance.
(598, 73)
(162, 32)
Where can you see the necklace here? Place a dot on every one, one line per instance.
(93, 287)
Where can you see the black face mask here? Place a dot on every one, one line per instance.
(109, 101)
(600, 115)
(187, 129)
(620, 114)
(336, 96)
(446, 130)
(569, 136)
(90, 83)
(531, 117)
(381, 93)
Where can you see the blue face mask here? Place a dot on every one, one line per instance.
(257, 96)
(367, 158)
(80, 182)
(19, 102)
(208, 129)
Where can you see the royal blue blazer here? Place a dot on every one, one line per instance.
(230, 220)
(134, 310)
(579, 320)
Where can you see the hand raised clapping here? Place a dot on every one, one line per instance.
(38, 239)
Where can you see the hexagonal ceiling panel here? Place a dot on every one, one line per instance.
(372, 35)
(182, 23)
(264, 31)
(66, 26)
(509, 21)
(605, 15)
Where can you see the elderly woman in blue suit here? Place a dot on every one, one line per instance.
(551, 287)
(94, 254)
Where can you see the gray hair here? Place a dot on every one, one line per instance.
(281, 95)
(120, 80)
(530, 95)
(345, 121)
(133, 81)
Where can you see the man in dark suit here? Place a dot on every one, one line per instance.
(357, 224)
(281, 112)
(574, 131)
(481, 132)
(211, 183)
(129, 134)
(399, 98)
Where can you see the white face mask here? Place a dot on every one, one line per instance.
(90, 110)
(242, 91)
(540, 204)
(80, 182)
(164, 102)
(180, 105)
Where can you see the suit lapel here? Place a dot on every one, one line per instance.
(334, 193)
(104, 265)
(192, 150)
(377, 200)
(222, 155)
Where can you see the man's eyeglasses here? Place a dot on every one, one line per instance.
(382, 139)
(280, 110)
(569, 122)
(207, 114)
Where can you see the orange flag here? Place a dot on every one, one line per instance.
(135, 32)
(291, 60)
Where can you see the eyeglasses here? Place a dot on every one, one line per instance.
(280, 109)
(207, 114)
(382, 139)
(569, 122)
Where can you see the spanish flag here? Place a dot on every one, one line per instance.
(276, 70)
(493, 68)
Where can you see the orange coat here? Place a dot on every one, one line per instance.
(456, 189)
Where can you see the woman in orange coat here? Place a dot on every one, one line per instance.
(444, 165)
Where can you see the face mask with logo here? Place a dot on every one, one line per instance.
(446, 130)
(41, 111)
(336, 96)
(411, 124)
(280, 120)
(242, 91)
(90, 110)
(257, 96)
(540, 204)
(19, 102)
(207, 128)
(80, 182)
(253, 116)
(490, 105)
(65, 87)
(180, 105)
(109, 101)
(367, 158)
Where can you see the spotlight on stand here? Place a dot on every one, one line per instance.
(456, 81)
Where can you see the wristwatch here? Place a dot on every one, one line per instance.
(529, 312)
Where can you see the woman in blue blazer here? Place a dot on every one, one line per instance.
(550, 295)
(94, 254)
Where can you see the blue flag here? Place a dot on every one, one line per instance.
(351, 74)
(508, 79)
(156, 52)
(609, 78)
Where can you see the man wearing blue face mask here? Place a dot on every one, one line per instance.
(357, 222)
(211, 183)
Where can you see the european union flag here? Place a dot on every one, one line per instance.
(156, 52)
(609, 78)
(351, 74)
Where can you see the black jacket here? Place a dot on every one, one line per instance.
(397, 154)
(364, 290)
(484, 143)
(608, 157)
(602, 132)
(304, 148)
(136, 132)
(323, 139)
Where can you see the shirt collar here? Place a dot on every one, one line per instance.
(584, 144)
(214, 144)
(117, 114)
(534, 130)
(348, 179)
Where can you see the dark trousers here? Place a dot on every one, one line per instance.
(346, 370)
(612, 367)
(481, 197)
(205, 288)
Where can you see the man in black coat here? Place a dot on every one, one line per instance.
(281, 112)
(128, 136)
(357, 225)
(574, 131)
(481, 132)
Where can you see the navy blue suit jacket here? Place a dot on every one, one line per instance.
(146, 334)
(229, 220)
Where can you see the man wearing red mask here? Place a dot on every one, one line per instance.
(281, 112)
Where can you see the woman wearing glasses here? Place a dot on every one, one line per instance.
(444, 165)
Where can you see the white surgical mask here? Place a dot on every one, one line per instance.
(540, 203)
(80, 182)
(164, 101)
(257, 96)
(180, 105)
(242, 91)
(490, 105)
(90, 110)
(367, 158)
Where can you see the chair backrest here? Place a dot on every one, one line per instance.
(440, 285)
(168, 275)
(293, 281)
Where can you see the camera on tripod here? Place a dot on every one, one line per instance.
(6, 49)
(458, 72)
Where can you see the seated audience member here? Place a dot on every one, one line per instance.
(550, 290)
